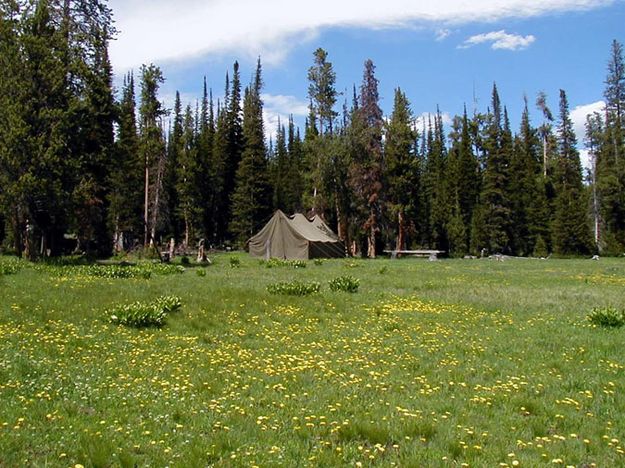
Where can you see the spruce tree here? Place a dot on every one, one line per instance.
(611, 155)
(402, 170)
(366, 163)
(495, 191)
(251, 201)
(319, 131)
(570, 226)
(125, 176)
(187, 173)
(175, 223)
(152, 150)
(529, 216)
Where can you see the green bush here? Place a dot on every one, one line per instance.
(278, 262)
(294, 288)
(318, 261)
(168, 304)
(344, 283)
(185, 260)
(607, 317)
(141, 314)
(200, 272)
(10, 267)
(235, 262)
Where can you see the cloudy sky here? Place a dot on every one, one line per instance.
(445, 53)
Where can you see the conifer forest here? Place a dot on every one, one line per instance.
(90, 168)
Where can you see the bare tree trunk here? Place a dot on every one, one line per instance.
(545, 155)
(157, 198)
(371, 237)
(400, 234)
(186, 230)
(18, 230)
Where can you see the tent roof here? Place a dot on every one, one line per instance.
(311, 229)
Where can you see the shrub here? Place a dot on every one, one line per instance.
(141, 314)
(607, 317)
(318, 261)
(344, 283)
(185, 260)
(137, 315)
(168, 304)
(235, 262)
(278, 262)
(200, 272)
(294, 288)
(10, 267)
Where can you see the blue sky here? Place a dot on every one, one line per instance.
(440, 53)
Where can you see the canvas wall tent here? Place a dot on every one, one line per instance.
(295, 237)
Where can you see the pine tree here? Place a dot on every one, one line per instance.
(251, 201)
(206, 169)
(435, 184)
(322, 92)
(366, 168)
(402, 169)
(151, 149)
(172, 212)
(280, 171)
(187, 180)
(494, 197)
(235, 140)
(570, 226)
(125, 176)
(219, 208)
(319, 131)
(464, 181)
(611, 155)
(529, 216)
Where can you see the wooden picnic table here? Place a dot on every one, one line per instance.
(432, 254)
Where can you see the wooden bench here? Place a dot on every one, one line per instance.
(431, 254)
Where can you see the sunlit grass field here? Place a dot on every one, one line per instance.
(449, 363)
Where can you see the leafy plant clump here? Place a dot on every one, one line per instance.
(345, 283)
(278, 262)
(294, 288)
(10, 267)
(142, 315)
(235, 262)
(607, 317)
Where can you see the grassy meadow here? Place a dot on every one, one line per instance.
(449, 363)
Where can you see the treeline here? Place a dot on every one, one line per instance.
(126, 173)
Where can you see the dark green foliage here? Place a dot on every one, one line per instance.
(402, 175)
(570, 226)
(495, 192)
(294, 288)
(126, 174)
(607, 140)
(151, 149)
(344, 283)
(365, 170)
(142, 315)
(251, 200)
(607, 317)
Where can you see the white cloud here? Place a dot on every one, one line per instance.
(163, 30)
(500, 40)
(277, 108)
(442, 34)
(578, 117)
(422, 120)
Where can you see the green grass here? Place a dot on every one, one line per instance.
(429, 364)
